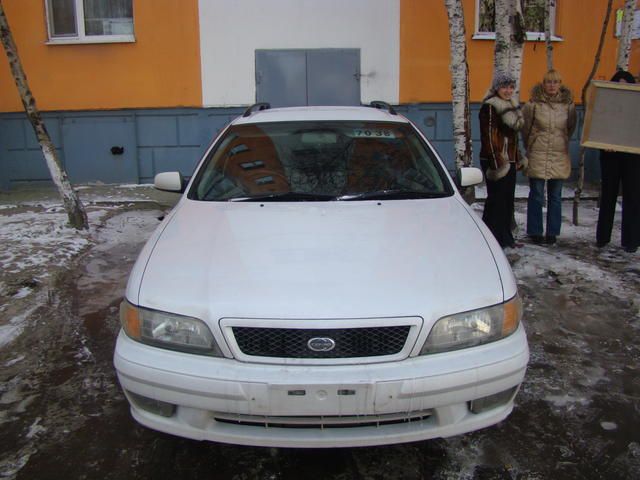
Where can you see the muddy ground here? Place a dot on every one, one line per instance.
(63, 416)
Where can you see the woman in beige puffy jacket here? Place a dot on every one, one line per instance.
(549, 122)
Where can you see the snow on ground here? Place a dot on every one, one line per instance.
(34, 232)
(40, 239)
(36, 242)
(14, 328)
(539, 260)
(522, 191)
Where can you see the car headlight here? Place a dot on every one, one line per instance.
(476, 327)
(167, 330)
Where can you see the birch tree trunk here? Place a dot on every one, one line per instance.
(509, 47)
(503, 36)
(624, 46)
(549, 5)
(518, 35)
(74, 208)
(459, 83)
(510, 38)
(596, 63)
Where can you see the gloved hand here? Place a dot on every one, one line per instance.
(498, 173)
(523, 163)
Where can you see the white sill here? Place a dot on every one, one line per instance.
(531, 36)
(92, 40)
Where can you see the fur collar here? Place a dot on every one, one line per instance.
(508, 110)
(564, 95)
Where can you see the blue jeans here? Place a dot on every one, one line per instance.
(554, 207)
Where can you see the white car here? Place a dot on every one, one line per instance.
(321, 283)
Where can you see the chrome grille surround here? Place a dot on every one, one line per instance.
(285, 341)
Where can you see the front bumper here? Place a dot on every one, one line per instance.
(432, 392)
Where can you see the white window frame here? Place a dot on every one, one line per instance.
(81, 36)
(531, 36)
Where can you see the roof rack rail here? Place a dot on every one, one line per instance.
(383, 106)
(256, 107)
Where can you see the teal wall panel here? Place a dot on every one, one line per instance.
(444, 125)
(27, 165)
(157, 130)
(175, 139)
(146, 167)
(182, 159)
(12, 134)
(190, 130)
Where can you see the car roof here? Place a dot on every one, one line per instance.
(327, 113)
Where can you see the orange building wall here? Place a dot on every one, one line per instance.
(161, 69)
(424, 50)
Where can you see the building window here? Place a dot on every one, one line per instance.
(90, 21)
(533, 12)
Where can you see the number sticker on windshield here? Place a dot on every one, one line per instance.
(373, 133)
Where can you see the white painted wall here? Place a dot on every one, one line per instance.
(231, 31)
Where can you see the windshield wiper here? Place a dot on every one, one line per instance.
(285, 197)
(394, 194)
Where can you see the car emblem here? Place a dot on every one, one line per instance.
(321, 344)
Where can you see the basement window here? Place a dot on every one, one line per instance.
(533, 13)
(89, 21)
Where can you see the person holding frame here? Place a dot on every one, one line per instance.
(617, 167)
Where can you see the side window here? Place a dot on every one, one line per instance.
(90, 21)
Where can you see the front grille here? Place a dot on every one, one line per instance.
(322, 422)
(349, 342)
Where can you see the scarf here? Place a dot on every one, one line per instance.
(508, 110)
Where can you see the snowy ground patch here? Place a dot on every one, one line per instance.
(11, 330)
(37, 241)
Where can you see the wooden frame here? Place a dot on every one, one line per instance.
(612, 119)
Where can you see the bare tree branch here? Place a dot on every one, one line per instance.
(594, 69)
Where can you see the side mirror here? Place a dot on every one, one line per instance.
(469, 176)
(169, 182)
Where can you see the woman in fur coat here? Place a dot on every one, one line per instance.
(616, 167)
(500, 121)
(549, 122)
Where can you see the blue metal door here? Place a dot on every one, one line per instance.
(286, 78)
(281, 77)
(333, 77)
(100, 148)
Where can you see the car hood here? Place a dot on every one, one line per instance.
(315, 260)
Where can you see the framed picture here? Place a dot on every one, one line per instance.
(612, 119)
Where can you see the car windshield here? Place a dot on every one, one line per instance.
(320, 161)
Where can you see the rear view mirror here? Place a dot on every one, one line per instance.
(169, 182)
(469, 176)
